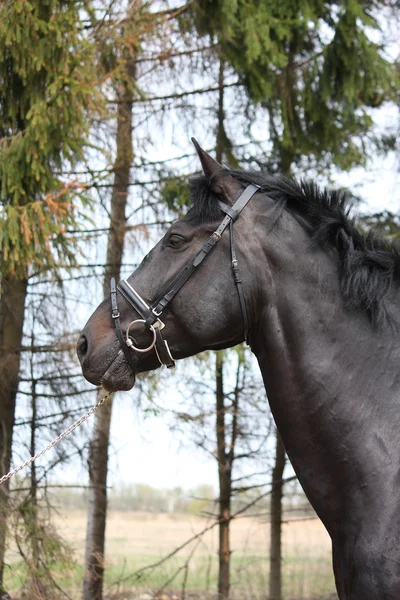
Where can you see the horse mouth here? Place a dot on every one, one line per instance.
(119, 376)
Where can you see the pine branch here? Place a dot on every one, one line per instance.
(180, 94)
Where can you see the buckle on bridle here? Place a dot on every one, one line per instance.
(115, 314)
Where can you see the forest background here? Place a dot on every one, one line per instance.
(98, 102)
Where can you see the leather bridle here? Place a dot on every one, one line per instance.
(150, 315)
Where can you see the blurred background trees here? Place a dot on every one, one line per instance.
(97, 104)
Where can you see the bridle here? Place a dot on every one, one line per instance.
(150, 315)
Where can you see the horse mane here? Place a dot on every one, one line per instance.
(368, 264)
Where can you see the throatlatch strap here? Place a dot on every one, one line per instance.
(238, 282)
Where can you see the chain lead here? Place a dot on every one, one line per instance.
(58, 439)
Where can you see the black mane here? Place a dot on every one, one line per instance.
(369, 264)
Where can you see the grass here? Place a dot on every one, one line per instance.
(137, 540)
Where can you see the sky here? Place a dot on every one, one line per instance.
(379, 183)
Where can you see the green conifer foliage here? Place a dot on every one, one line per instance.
(46, 94)
(312, 64)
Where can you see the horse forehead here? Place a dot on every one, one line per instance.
(179, 224)
(191, 230)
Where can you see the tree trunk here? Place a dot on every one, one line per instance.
(98, 453)
(12, 307)
(275, 573)
(97, 504)
(221, 136)
(34, 482)
(225, 484)
(224, 462)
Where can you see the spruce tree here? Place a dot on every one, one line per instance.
(312, 65)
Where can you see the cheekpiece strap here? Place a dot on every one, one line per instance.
(116, 316)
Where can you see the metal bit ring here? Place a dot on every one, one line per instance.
(129, 341)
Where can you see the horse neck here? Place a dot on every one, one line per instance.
(328, 375)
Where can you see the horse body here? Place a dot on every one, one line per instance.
(332, 377)
(333, 385)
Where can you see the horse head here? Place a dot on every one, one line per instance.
(187, 295)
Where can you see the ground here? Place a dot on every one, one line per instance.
(137, 540)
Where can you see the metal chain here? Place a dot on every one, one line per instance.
(58, 439)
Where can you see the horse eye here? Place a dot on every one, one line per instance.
(175, 241)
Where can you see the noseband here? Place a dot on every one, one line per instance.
(150, 315)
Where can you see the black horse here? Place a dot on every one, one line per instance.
(320, 303)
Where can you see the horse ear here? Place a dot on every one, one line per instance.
(222, 180)
(210, 166)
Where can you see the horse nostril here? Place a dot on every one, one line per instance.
(82, 346)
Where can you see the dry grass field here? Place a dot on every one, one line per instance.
(138, 540)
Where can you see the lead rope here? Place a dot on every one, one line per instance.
(58, 439)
